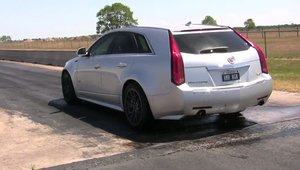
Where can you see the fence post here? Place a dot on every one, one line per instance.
(278, 31)
(64, 43)
(262, 32)
(297, 30)
(265, 40)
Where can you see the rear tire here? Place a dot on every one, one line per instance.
(68, 88)
(136, 107)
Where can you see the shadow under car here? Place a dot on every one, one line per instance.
(162, 131)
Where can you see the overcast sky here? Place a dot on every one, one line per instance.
(63, 18)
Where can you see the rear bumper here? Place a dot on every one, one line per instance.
(187, 101)
(226, 99)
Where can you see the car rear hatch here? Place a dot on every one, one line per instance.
(217, 58)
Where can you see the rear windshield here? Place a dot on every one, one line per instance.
(210, 42)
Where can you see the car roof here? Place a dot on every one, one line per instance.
(174, 29)
(182, 28)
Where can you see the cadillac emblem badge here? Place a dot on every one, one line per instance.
(231, 60)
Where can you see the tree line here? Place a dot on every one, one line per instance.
(119, 15)
(209, 20)
(5, 38)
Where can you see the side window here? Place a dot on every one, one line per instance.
(102, 46)
(124, 43)
(143, 45)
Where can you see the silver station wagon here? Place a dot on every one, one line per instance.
(157, 73)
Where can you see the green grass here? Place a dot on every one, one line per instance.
(284, 55)
(285, 73)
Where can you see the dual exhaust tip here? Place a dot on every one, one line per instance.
(202, 113)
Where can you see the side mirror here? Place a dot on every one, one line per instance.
(81, 52)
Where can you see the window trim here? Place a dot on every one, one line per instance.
(208, 32)
(116, 35)
(140, 47)
(148, 43)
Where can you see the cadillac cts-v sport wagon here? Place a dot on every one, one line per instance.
(169, 74)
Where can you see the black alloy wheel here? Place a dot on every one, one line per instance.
(136, 107)
(68, 88)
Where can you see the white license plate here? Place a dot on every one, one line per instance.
(230, 76)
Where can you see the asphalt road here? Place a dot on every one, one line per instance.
(211, 142)
(36, 93)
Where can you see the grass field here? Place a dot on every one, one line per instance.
(283, 54)
(283, 57)
(286, 74)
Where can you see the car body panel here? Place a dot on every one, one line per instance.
(88, 76)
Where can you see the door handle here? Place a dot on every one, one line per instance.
(122, 65)
(97, 67)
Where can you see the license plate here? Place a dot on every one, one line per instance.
(230, 76)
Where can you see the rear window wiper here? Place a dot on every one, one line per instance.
(222, 49)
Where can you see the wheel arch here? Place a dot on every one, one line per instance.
(66, 71)
(70, 95)
(72, 78)
(132, 81)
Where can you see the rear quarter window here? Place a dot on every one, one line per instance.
(196, 43)
(142, 44)
(124, 43)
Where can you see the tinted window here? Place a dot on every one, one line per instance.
(142, 43)
(124, 43)
(103, 45)
(210, 42)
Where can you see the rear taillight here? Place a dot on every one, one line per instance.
(262, 59)
(177, 68)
